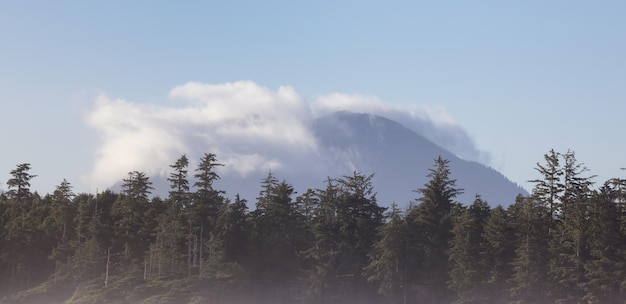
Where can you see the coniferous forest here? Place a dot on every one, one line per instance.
(564, 243)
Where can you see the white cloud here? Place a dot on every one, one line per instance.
(251, 129)
(431, 121)
(248, 126)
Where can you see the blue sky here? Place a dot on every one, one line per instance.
(520, 77)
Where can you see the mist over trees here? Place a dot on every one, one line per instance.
(564, 243)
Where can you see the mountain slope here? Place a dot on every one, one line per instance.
(400, 159)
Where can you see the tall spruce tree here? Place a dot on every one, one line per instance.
(129, 211)
(549, 187)
(530, 283)
(498, 253)
(388, 268)
(278, 232)
(18, 187)
(604, 269)
(571, 234)
(322, 255)
(166, 251)
(60, 224)
(179, 184)
(433, 220)
(468, 270)
(345, 228)
(233, 229)
(202, 213)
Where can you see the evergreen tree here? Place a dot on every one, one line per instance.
(604, 270)
(530, 282)
(388, 268)
(433, 220)
(570, 238)
(468, 270)
(359, 217)
(322, 255)
(202, 213)
(179, 185)
(233, 230)
(166, 251)
(498, 253)
(60, 224)
(19, 185)
(278, 232)
(345, 228)
(131, 226)
(306, 205)
(95, 238)
(548, 189)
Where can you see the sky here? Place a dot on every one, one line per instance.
(90, 90)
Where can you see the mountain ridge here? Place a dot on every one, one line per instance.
(399, 158)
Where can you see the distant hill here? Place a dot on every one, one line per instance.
(398, 157)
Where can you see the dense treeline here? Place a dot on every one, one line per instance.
(565, 243)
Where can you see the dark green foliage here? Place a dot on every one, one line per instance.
(469, 269)
(530, 282)
(131, 224)
(278, 232)
(498, 253)
(605, 264)
(570, 235)
(388, 263)
(563, 244)
(233, 230)
(18, 187)
(201, 214)
(345, 229)
(431, 221)
(549, 187)
(179, 185)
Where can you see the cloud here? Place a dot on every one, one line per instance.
(248, 126)
(430, 121)
(251, 128)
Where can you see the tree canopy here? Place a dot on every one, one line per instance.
(564, 243)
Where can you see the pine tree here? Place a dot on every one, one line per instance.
(166, 252)
(530, 282)
(95, 238)
(388, 268)
(19, 185)
(345, 229)
(359, 217)
(548, 189)
(179, 185)
(60, 223)
(323, 253)
(433, 220)
(498, 253)
(306, 205)
(278, 232)
(233, 230)
(604, 270)
(202, 213)
(467, 268)
(570, 236)
(129, 210)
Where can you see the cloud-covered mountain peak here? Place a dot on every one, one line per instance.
(253, 129)
(400, 158)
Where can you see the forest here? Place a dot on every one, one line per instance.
(563, 243)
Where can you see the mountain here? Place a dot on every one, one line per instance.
(399, 158)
